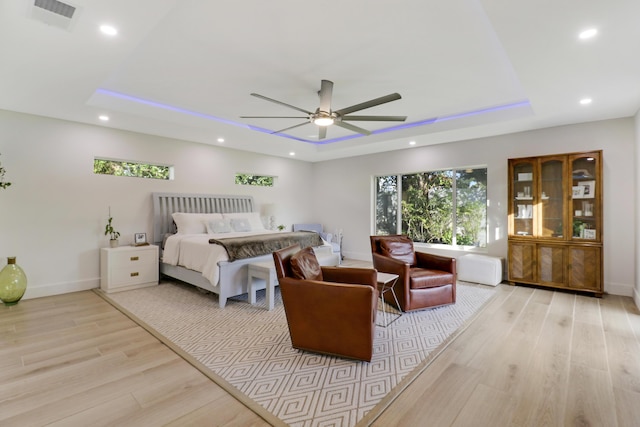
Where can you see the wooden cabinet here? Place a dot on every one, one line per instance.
(555, 221)
(128, 267)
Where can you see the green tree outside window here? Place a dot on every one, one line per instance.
(258, 180)
(124, 168)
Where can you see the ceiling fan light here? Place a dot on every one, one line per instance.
(323, 121)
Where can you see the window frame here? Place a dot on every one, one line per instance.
(454, 209)
(256, 177)
(169, 168)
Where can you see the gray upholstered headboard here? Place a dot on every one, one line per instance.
(165, 204)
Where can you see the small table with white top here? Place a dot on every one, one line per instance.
(265, 270)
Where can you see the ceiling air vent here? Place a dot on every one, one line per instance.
(56, 7)
(54, 13)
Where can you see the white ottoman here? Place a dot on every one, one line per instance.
(480, 269)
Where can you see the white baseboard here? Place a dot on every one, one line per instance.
(60, 288)
(621, 289)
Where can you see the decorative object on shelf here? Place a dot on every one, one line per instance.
(111, 232)
(140, 239)
(13, 282)
(281, 227)
(588, 189)
(577, 192)
(581, 174)
(3, 183)
(578, 228)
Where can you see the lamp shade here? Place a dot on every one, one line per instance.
(268, 209)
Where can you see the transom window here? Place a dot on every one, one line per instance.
(258, 180)
(446, 207)
(130, 168)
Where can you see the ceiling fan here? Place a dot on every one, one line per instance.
(324, 116)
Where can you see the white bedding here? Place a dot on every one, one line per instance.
(193, 251)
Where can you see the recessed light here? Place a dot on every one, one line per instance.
(587, 34)
(221, 140)
(585, 101)
(108, 30)
(412, 143)
(104, 118)
(292, 153)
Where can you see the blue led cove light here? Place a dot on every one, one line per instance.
(425, 122)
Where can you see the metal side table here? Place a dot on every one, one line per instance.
(386, 282)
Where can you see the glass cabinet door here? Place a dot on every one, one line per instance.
(585, 205)
(522, 207)
(551, 198)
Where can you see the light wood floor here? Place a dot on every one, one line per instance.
(531, 358)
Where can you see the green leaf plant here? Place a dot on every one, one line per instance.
(3, 183)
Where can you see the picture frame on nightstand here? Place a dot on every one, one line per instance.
(140, 239)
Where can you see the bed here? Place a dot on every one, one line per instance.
(189, 256)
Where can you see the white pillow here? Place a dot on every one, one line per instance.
(253, 217)
(216, 226)
(240, 224)
(193, 223)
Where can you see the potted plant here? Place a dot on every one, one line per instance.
(111, 232)
(281, 227)
(3, 183)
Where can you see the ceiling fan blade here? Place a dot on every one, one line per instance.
(352, 127)
(291, 127)
(322, 133)
(375, 118)
(273, 117)
(368, 104)
(281, 103)
(326, 92)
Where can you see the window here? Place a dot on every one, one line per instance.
(124, 168)
(259, 180)
(444, 207)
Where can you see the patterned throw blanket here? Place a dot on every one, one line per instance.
(252, 246)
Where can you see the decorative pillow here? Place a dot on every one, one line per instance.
(304, 265)
(193, 223)
(216, 226)
(253, 217)
(400, 248)
(240, 224)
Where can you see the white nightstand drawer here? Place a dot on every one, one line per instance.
(142, 273)
(128, 259)
(128, 267)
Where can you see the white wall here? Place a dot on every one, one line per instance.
(347, 202)
(53, 216)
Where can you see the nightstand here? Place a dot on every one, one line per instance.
(128, 267)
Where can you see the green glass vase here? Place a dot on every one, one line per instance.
(13, 282)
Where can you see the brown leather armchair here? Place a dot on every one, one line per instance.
(425, 280)
(335, 315)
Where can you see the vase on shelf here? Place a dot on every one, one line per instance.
(113, 243)
(13, 282)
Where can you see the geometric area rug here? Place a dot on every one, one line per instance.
(248, 349)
